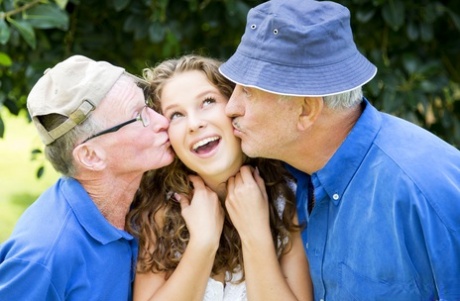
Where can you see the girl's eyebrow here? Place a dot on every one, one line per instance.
(210, 91)
(169, 107)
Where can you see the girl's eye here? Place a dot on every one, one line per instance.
(174, 115)
(208, 101)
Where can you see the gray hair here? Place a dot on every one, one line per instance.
(59, 153)
(344, 100)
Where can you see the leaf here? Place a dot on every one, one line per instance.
(364, 15)
(61, 3)
(428, 86)
(129, 24)
(119, 5)
(4, 32)
(431, 67)
(40, 171)
(5, 59)
(156, 32)
(26, 31)
(373, 87)
(35, 153)
(11, 105)
(8, 5)
(393, 13)
(47, 16)
(426, 32)
(455, 18)
(410, 63)
(412, 31)
(2, 127)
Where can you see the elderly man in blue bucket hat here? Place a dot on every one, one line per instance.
(380, 197)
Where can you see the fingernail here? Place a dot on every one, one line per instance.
(176, 197)
(171, 195)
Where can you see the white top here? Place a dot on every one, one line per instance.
(216, 291)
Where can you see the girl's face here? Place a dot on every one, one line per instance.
(199, 131)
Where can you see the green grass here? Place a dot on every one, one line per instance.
(19, 186)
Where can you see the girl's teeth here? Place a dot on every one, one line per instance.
(204, 142)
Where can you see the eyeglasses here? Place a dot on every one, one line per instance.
(142, 117)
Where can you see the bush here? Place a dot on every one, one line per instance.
(415, 45)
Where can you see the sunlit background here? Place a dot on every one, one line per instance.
(19, 186)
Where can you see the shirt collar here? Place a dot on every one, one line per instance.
(339, 170)
(88, 214)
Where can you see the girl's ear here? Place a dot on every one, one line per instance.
(90, 157)
(311, 108)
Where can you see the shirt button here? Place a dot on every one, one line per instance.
(321, 299)
(335, 197)
(306, 245)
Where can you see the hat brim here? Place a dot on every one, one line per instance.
(322, 80)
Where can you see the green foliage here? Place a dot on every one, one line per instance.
(415, 45)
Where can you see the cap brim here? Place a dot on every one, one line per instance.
(311, 81)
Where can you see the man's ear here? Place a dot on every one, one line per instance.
(311, 108)
(90, 157)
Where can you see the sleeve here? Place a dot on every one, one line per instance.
(24, 280)
(444, 250)
(438, 218)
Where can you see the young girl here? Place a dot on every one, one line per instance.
(214, 225)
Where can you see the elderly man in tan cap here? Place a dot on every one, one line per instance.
(71, 243)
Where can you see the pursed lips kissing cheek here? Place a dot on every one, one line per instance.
(236, 127)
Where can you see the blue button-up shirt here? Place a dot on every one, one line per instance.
(63, 248)
(386, 223)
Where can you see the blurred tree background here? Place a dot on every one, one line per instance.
(415, 45)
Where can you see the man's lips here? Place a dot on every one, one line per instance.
(236, 128)
(166, 141)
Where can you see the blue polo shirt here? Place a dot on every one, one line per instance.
(62, 248)
(386, 222)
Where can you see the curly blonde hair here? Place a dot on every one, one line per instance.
(156, 219)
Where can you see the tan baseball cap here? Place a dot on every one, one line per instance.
(73, 88)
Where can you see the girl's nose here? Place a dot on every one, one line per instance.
(195, 123)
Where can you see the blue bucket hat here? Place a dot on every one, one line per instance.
(299, 47)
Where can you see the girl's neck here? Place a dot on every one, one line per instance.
(217, 185)
(218, 182)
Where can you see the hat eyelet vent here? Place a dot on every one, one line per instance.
(253, 26)
(275, 31)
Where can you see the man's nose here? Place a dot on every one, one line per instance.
(160, 122)
(233, 107)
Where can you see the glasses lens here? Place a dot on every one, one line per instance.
(145, 118)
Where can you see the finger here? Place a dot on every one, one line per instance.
(246, 173)
(182, 199)
(238, 179)
(197, 182)
(230, 190)
(260, 181)
(231, 184)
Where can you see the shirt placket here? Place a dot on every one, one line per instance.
(317, 233)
